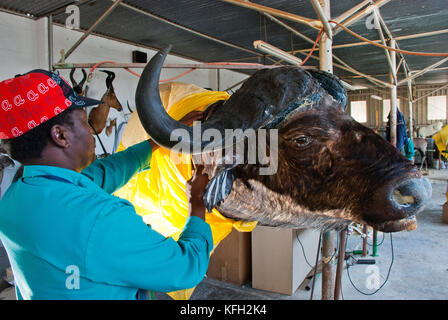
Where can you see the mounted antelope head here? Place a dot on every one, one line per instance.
(98, 116)
(78, 87)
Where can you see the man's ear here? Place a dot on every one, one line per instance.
(59, 136)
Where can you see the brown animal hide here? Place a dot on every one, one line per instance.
(111, 127)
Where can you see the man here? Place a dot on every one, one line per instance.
(66, 235)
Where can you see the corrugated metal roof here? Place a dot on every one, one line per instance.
(236, 28)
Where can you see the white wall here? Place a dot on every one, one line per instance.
(24, 46)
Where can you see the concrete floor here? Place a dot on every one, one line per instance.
(419, 270)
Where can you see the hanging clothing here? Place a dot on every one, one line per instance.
(409, 149)
(402, 135)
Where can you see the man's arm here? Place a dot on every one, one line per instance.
(123, 251)
(116, 170)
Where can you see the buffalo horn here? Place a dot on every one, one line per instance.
(156, 121)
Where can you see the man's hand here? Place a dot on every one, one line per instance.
(195, 187)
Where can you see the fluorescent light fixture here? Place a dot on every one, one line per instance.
(276, 52)
(376, 97)
(348, 86)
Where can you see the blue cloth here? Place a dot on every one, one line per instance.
(409, 149)
(402, 135)
(68, 237)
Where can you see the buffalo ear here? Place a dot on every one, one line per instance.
(332, 85)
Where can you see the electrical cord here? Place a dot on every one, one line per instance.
(303, 250)
(387, 277)
(313, 48)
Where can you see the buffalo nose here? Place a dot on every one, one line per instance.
(411, 195)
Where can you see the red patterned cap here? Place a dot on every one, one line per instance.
(28, 100)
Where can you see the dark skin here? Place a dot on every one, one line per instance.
(73, 147)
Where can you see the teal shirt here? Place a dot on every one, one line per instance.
(68, 237)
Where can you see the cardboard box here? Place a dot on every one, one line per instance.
(231, 260)
(278, 262)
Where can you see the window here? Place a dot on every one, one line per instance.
(386, 108)
(358, 110)
(437, 108)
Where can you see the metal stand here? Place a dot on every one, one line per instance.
(341, 258)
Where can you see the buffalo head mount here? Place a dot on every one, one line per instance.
(330, 170)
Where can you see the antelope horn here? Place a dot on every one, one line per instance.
(109, 79)
(84, 78)
(72, 79)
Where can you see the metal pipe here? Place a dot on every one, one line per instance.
(411, 129)
(323, 18)
(430, 93)
(364, 240)
(421, 72)
(383, 40)
(360, 15)
(341, 256)
(50, 42)
(284, 25)
(389, 34)
(375, 243)
(316, 266)
(169, 65)
(326, 64)
(362, 43)
(200, 34)
(393, 99)
(87, 33)
(354, 71)
(351, 11)
(327, 267)
(313, 23)
(326, 51)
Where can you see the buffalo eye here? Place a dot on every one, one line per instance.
(302, 141)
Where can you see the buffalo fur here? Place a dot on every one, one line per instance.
(331, 169)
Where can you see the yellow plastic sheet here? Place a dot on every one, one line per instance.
(158, 194)
(441, 139)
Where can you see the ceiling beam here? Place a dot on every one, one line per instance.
(360, 15)
(323, 18)
(362, 43)
(197, 33)
(406, 68)
(220, 65)
(422, 72)
(313, 23)
(351, 11)
(431, 93)
(284, 25)
(354, 71)
(92, 27)
(392, 64)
